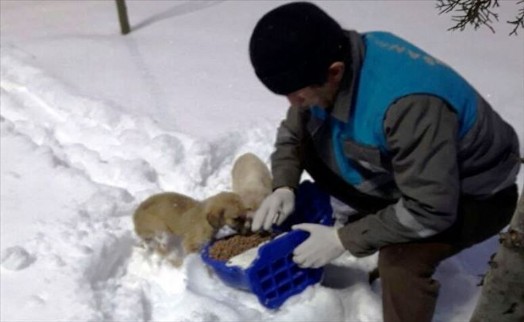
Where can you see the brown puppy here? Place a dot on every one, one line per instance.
(172, 222)
(251, 180)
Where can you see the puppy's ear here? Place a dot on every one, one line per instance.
(215, 217)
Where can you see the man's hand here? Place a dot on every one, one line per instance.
(274, 209)
(321, 247)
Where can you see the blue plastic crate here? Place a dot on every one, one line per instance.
(273, 276)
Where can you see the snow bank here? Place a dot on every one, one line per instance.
(73, 170)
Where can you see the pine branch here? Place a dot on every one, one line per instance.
(470, 12)
(519, 19)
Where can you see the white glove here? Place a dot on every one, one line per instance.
(274, 209)
(321, 247)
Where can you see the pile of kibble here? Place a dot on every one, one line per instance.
(224, 249)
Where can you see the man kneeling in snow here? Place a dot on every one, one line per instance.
(395, 134)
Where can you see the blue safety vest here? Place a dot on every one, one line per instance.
(394, 68)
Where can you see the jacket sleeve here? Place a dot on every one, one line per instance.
(286, 160)
(422, 135)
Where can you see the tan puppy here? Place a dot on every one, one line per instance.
(171, 222)
(251, 180)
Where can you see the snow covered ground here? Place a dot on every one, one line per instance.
(93, 122)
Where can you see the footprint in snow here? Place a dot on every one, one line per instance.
(16, 258)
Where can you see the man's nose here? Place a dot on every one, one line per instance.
(295, 99)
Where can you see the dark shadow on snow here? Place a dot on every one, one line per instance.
(340, 277)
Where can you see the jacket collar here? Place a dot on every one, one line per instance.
(348, 86)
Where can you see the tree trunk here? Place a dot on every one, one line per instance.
(122, 17)
(502, 297)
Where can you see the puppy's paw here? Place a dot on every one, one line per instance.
(193, 245)
(175, 259)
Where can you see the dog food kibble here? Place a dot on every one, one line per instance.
(226, 248)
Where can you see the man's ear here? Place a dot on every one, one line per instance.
(336, 72)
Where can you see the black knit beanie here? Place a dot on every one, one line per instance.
(293, 45)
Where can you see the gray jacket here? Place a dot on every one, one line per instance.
(423, 174)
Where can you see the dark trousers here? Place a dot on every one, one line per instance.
(409, 293)
(406, 270)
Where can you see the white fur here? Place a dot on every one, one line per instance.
(251, 180)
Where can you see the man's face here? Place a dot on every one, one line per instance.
(322, 96)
